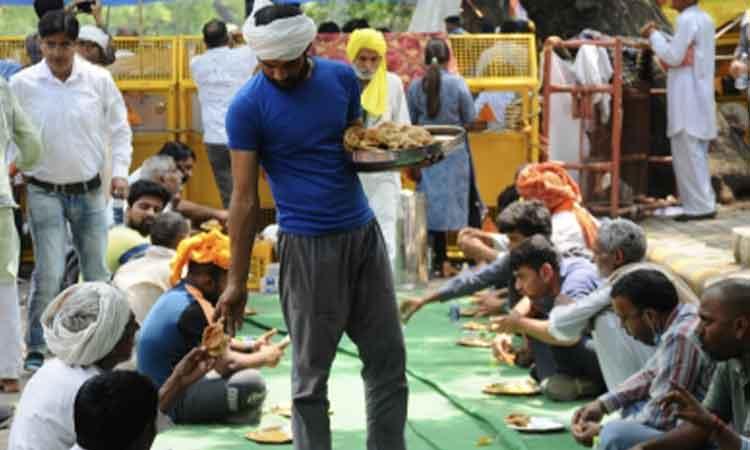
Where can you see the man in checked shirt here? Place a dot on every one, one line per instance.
(647, 304)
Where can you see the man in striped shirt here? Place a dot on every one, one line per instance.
(647, 305)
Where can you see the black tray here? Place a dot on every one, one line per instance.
(447, 139)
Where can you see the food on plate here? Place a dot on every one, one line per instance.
(502, 349)
(471, 341)
(484, 441)
(250, 311)
(270, 435)
(518, 420)
(387, 136)
(475, 326)
(515, 387)
(214, 339)
(469, 312)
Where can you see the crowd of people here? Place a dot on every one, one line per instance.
(121, 295)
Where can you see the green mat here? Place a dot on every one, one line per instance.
(447, 410)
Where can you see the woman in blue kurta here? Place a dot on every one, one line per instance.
(442, 98)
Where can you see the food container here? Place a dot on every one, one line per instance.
(447, 139)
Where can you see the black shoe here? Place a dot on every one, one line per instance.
(33, 362)
(6, 413)
(690, 217)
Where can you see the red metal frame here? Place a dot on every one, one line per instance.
(616, 91)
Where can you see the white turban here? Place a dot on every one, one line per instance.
(283, 39)
(83, 324)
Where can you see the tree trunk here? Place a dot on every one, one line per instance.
(567, 18)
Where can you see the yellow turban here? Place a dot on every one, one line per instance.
(375, 95)
(203, 248)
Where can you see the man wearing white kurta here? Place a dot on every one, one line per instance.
(383, 100)
(691, 104)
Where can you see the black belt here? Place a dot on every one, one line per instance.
(70, 188)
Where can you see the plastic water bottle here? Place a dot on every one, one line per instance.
(742, 82)
(454, 312)
(118, 210)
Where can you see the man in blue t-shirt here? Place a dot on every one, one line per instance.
(335, 271)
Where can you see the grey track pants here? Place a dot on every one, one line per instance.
(237, 399)
(221, 164)
(330, 285)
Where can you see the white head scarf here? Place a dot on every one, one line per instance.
(283, 39)
(83, 324)
(94, 34)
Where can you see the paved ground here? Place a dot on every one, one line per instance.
(716, 234)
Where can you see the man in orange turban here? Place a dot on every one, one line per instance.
(573, 227)
(176, 324)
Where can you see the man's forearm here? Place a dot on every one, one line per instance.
(539, 330)
(195, 212)
(168, 394)
(243, 218)
(685, 437)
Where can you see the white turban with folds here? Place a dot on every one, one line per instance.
(281, 40)
(83, 324)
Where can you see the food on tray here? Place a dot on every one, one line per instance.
(518, 420)
(270, 435)
(476, 326)
(214, 339)
(471, 341)
(516, 387)
(387, 136)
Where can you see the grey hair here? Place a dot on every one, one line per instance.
(155, 167)
(622, 234)
(167, 226)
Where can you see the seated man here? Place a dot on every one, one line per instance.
(146, 200)
(721, 421)
(573, 227)
(146, 278)
(620, 248)
(568, 369)
(484, 247)
(163, 169)
(648, 307)
(116, 410)
(518, 221)
(175, 325)
(90, 329)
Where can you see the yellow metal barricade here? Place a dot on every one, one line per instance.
(504, 63)
(13, 47)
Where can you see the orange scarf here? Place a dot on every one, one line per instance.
(551, 184)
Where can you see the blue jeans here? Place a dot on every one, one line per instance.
(50, 214)
(625, 434)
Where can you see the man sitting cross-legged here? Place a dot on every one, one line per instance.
(90, 329)
(146, 200)
(518, 221)
(722, 420)
(146, 278)
(176, 324)
(647, 304)
(568, 369)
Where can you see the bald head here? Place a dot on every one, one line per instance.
(732, 293)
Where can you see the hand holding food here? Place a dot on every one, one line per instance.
(214, 339)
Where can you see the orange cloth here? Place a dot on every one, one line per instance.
(203, 248)
(551, 184)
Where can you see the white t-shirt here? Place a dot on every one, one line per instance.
(567, 234)
(44, 417)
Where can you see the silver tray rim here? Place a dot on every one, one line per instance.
(367, 161)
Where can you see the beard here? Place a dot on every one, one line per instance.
(292, 81)
(144, 228)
